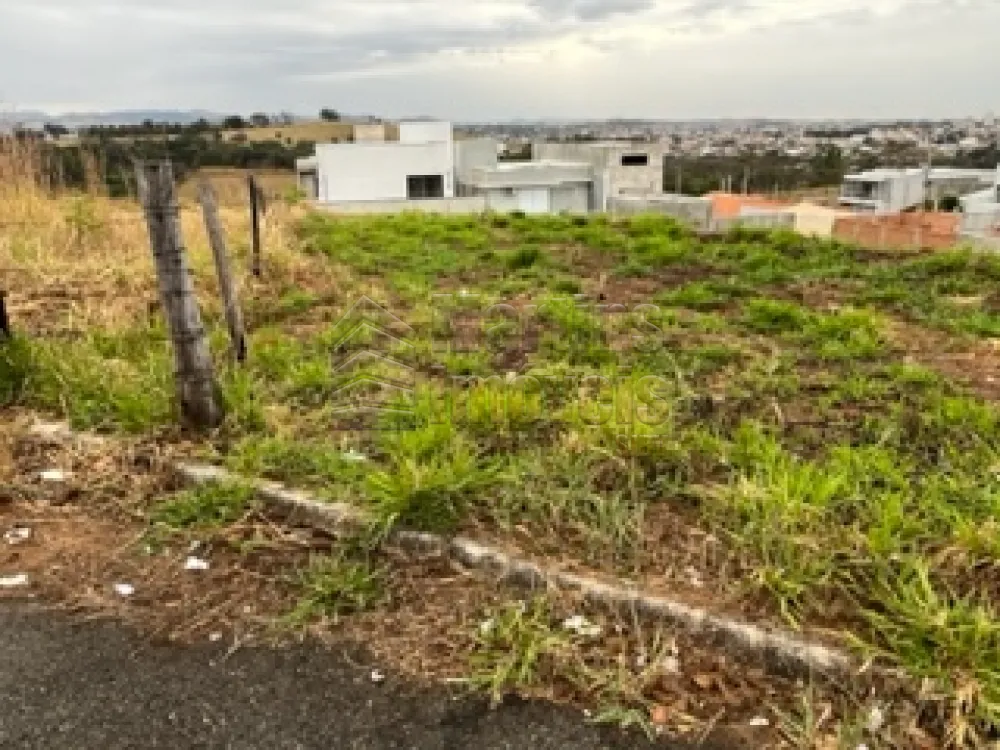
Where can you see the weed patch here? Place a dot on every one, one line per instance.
(205, 508)
(335, 585)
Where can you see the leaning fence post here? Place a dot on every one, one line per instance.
(255, 207)
(217, 239)
(197, 391)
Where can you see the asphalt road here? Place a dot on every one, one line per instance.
(70, 684)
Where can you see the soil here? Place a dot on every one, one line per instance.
(975, 364)
(87, 534)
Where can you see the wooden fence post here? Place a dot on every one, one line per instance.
(217, 239)
(4, 320)
(255, 208)
(197, 391)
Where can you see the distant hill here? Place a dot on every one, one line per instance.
(72, 120)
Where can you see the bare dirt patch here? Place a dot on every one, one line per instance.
(974, 364)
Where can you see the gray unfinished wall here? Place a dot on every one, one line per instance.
(474, 153)
(607, 158)
(696, 212)
(775, 220)
(572, 198)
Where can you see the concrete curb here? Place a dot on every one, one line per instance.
(776, 649)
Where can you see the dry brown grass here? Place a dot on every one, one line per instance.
(231, 185)
(317, 132)
(72, 261)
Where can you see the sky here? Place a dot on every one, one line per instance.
(483, 60)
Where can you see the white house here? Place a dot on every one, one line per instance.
(420, 165)
(884, 190)
(426, 169)
(981, 210)
(894, 190)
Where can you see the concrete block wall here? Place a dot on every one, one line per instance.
(696, 212)
(763, 220)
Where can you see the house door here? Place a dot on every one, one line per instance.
(533, 200)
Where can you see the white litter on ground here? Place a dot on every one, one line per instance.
(354, 457)
(53, 475)
(486, 627)
(876, 719)
(215, 637)
(582, 626)
(196, 564)
(377, 677)
(14, 582)
(17, 535)
(671, 665)
(124, 590)
(759, 721)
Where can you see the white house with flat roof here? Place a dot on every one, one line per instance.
(420, 165)
(895, 190)
(427, 169)
(884, 191)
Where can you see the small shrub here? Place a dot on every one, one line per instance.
(333, 586)
(525, 257)
(513, 647)
(295, 461)
(774, 316)
(210, 506)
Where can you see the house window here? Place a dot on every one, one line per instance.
(508, 192)
(635, 160)
(420, 187)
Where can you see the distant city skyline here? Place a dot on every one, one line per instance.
(503, 60)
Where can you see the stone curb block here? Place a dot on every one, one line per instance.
(775, 648)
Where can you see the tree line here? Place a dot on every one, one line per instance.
(113, 157)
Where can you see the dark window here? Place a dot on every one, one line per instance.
(424, 186)
(635, 160)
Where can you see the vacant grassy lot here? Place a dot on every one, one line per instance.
(798, 430)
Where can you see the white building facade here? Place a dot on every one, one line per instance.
(419, 166)
(893, 190)
(427, 170)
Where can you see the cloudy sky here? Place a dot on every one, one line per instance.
(507, 59)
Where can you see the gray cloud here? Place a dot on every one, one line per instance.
(666, 58)
(589, 10)
(708, 8)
